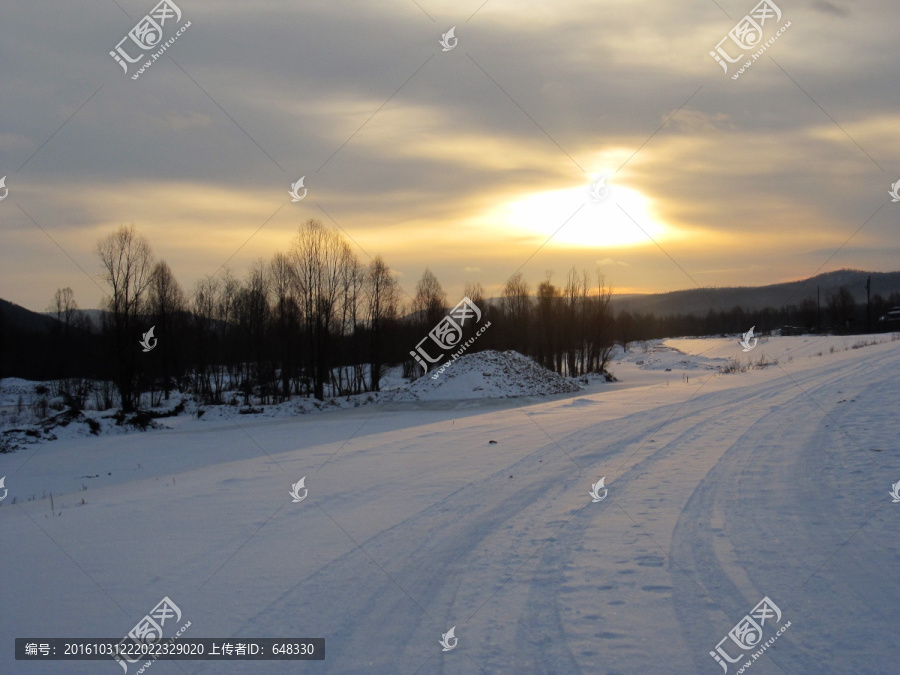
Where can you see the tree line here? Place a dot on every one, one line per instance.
(311, 321)
(314, 321)
(837, 313)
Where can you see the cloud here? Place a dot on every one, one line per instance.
(829, 8)
(417, 153)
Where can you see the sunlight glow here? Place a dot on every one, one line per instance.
(596, 223)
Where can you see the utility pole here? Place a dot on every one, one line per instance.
(818, 309)
(869, 304)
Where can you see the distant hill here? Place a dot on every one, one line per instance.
(28, 347)
(25, 338)
(699, 301)
(16, 317)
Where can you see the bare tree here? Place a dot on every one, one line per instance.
(64, 306)
(547, 315)
(286, 319)
(166, 305)
(382, 310)
(475, 292)
(842, 309)
(127, 262)
(572, 336)
(515, 304)
(207, 358)
(430, 302)
(166, 296)
(626, 327)
(70, 386)
(351, 315)
(252, 315)
(600, 328)
(321, 260)
(226, 316)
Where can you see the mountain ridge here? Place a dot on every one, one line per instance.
(751, 298)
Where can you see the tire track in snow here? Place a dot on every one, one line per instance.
(780, 518)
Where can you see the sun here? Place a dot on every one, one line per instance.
(623, 218)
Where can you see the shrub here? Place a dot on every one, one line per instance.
(733, 365)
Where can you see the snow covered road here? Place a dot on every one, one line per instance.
(722, 491)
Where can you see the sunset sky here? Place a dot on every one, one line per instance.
(474, 162)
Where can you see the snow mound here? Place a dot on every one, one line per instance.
(487, 374)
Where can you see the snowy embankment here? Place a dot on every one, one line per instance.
(722, 490)
(480, 375)
(25, 418)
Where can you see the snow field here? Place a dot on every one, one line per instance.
(722, 490)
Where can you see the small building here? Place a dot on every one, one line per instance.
(891, 320)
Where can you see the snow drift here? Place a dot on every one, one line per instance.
(487, 374)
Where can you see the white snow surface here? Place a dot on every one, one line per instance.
(723, 489)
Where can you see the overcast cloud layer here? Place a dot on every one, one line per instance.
(464, 161)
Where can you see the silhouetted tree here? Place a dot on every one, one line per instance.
(515, 308)
(430, 302)
(322, 260)
(842, 310)
(547, 318)
(127, 262)
(382, 310)
(166, 306)
(286, 319)
(68, 346)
